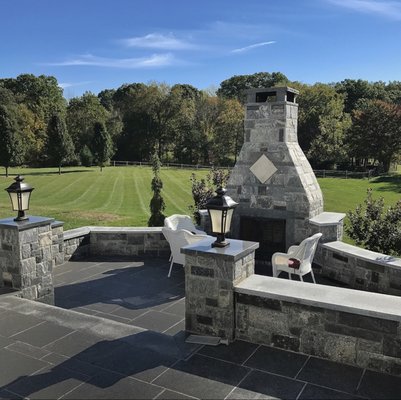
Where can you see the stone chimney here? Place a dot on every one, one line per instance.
(272, 180)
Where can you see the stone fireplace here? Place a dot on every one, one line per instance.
(272, 180)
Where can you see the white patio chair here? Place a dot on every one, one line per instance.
(298, 259)
(177, 239)
(178, 221)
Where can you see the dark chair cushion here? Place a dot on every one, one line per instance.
(294, 263)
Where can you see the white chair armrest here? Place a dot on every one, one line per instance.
(293, 249)
(191, 237)
(280, 258)
(199, 232)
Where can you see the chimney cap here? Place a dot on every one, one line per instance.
(272, 94)
(272, 89)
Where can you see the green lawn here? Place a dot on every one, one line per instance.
(119, 196)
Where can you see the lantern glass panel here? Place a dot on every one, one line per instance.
(216, 218)
(14, 200)
(228, 220)
(25, 200)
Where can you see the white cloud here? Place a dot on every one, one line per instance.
(65, 85)
(389, 9)
(252, 46)
(158, 41)
(155, 60)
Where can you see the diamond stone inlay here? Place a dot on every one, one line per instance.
(263, 169)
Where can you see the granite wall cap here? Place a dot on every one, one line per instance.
(77, 232)
(234, 251)
(123, 229)
(329, 297)
(32, 222)
(367, 255)
(86, 230)
(327, 218)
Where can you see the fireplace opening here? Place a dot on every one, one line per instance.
(270, 233)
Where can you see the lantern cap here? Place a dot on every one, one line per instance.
(221, 201)
(19, 186)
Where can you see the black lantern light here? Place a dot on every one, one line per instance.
(220, 209)
(20, 194)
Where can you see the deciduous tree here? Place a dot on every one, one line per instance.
(376, 132)
(11, 147)
(59, 146)
(102, 146)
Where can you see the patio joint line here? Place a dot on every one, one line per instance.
(162, 373)
(226, 361)
(27, 355)
(54, 341)
(300, 392)
(11, 392)
(239, 383)
(73, 270)
(172, 326)
(62, 337)
(76, 387)
(302, 367)
(27, 329)
(360, 380)
(146, 312)
(159, 394)
(257, 348)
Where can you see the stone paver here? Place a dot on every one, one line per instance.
(89, 356)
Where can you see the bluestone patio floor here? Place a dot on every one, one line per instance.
(118, 333)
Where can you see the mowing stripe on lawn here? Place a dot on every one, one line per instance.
(139, 187)
(115, 197)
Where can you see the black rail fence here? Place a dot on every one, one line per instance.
(165, 165)
(320, 173)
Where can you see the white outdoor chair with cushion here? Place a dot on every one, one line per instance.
(177, 221)
(177, 239)
(298, 259)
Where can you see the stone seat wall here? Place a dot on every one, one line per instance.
(344, 325)
(92, 241)
(359, 268)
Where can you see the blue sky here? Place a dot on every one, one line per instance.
(91, 45)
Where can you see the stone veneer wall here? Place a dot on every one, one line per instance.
(359, 268)
(27, 258)
(344, 325)
(210, 276)
(57, 242)
(114, 241)
(76, 243)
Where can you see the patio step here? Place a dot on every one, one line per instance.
(99, 327)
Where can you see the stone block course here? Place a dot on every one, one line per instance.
(209, 282)
(352, 338)
(358, 268)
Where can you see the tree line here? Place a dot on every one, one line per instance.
(348, 124)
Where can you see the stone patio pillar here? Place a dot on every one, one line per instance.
(210, 277)
(331, 225)
(27, 256)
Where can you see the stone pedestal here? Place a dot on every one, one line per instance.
(210, 277)
(331, 225)
(28, 255)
